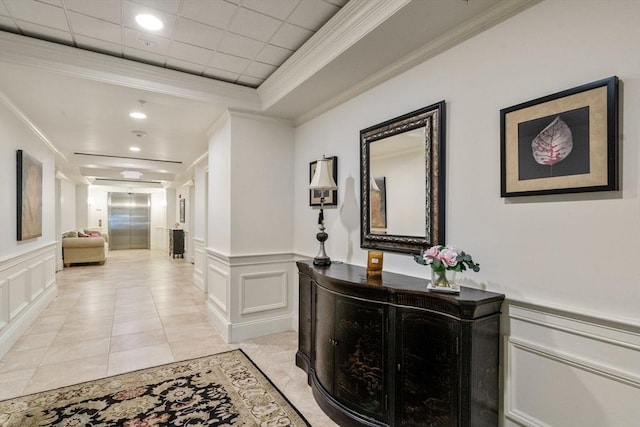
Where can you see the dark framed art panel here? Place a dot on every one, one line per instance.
(566, 142)
(29, 196)
(330, 196)
(182, 210)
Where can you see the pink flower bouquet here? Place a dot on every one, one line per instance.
(441, 258)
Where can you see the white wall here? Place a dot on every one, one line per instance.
(573, 256)
(546, 249)
(249, 269)
(68, 206)
(27, 268)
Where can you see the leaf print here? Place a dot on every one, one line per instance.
(553, 144)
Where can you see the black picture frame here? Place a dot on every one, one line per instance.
(29, 196)
(330, 196)
(182, 211)
(566, 142)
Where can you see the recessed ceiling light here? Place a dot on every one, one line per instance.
(131, 174)
(137, 115)
(149, 22)
(134, 148)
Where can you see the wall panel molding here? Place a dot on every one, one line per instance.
(271, 288)
(586, 359)
(27, 285)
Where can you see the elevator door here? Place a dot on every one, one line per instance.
(129, 218)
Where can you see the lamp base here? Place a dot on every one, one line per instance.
(321, 262)
(322, 259)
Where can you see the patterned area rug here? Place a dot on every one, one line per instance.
(225, 389)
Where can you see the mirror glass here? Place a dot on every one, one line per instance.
(402, 182)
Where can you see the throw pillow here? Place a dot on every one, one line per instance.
(82, 234)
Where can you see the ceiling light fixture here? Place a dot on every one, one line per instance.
(149, 22)
(131, 174)
(134, 148)
(137, 115)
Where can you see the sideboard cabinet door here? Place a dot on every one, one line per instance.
(360, 356)
(324, 359)
(427, 381)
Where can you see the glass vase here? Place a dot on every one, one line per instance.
(444, 279)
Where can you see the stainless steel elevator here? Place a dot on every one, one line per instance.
(129, 221)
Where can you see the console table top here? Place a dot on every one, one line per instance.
(402, 289)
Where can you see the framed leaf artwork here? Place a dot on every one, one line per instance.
(562, 143)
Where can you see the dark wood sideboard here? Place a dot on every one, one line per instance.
(389, 352)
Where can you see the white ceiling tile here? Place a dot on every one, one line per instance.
(98, 45)
(190, 53)
(259, 70)
(144, 56)
(7, 24)
(3, 9)
(57, 3)
(274, 55)
(254, 25)
(146, 42)
(187, 66)
(227, 76)
(198, 34)
(211, 12)
(312, 14)
(250, 81)
(95, 28)
(240, 46)
(45, 33)
(290, 37)
(231, 63)
(169, 6)
(279, 9)
(108, 10)
(38, 13)
(132, 9)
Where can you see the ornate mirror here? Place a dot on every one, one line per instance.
(402, 182)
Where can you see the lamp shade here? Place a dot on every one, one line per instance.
(322, 178)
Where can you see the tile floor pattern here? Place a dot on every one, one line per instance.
(139, 309)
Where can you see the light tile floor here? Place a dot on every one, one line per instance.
(139, 309)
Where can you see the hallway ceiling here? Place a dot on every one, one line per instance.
(75, 69)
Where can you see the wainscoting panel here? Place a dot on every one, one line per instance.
(36, 279)
(27, 285)
(199, 265)
(260, 290)
(218, 288)
(19, 297)
(4, 305)
(263, 291)
(565, 368)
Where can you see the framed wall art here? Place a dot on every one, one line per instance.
(29, 191)
(182, 211)
(562, 143)
(330, 196)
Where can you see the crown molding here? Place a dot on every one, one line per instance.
(122, 72)
(354, 21)
(501, 12)
(32, 127)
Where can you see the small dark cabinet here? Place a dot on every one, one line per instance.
(388, 352)
(176, 243)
